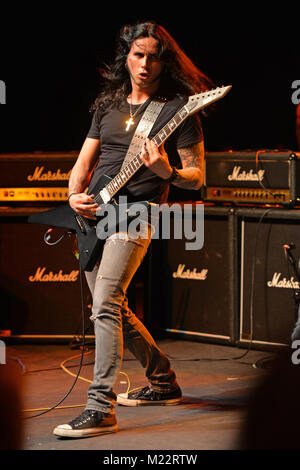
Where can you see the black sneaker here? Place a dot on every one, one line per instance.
(89, 423)
(148, 396)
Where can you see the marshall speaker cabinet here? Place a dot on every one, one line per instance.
(260, 177)
(193, 293)
(40, 284)
(268, 279)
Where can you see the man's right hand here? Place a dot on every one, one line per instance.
(84, 204)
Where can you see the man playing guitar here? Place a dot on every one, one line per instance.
(148, 62)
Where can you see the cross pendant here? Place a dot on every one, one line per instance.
(129, 123)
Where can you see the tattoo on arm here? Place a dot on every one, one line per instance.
(192, 159)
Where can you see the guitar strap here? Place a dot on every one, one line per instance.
(143, 129)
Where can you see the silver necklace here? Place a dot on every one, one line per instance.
(130, 121)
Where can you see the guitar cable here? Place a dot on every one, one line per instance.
(257, 160)
(47, 237)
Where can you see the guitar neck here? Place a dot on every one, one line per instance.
(136, 163)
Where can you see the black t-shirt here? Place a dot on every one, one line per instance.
(109, 127)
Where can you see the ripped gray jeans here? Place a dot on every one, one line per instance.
(113, 320)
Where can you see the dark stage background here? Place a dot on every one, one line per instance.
(49, 63)
(49, 60)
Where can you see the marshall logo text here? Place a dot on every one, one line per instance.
(181, 273)
(283, 283)
(40, 175)
(238, 175)
(42, 276)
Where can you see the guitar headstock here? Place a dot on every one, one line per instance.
(197, 102)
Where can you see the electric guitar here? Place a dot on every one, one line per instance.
(89, 233)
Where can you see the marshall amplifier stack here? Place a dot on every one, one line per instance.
(39, 284)
(268, 182)
(252, 177)
(239, 288)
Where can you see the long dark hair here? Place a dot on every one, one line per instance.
(179, 75)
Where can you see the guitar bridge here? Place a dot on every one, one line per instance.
(105, 195)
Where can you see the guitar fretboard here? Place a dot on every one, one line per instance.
(136, 163)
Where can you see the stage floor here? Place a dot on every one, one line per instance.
(211, 417)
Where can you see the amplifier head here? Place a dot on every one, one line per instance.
(260, 177)
(35, 177)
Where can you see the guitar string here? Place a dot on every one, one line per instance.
(182, 114)
(165, 135)
(158, 139)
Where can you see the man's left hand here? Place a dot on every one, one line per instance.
(156, 159)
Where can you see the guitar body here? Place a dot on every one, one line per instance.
(89, 245)
(90, 234)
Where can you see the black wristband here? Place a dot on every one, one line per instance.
(72, 194)
(173, 175)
